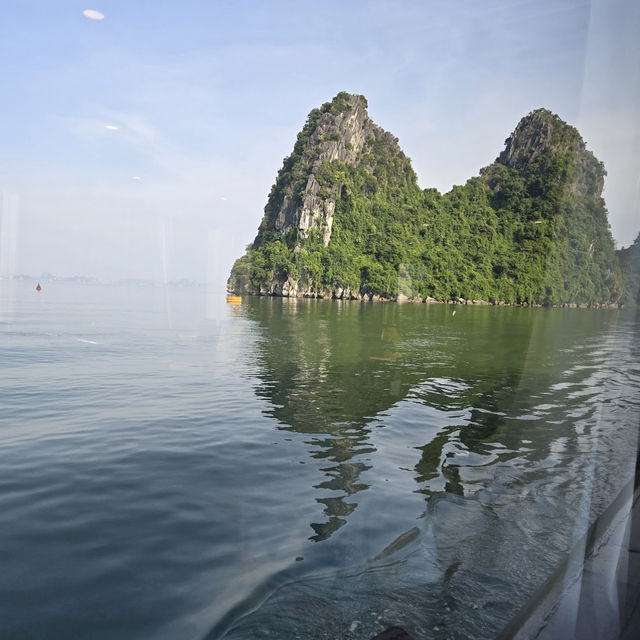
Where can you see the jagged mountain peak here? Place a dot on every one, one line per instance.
(541, 136)
(340, 131)
(536, 132)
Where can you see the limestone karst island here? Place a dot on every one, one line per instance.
(346, 219)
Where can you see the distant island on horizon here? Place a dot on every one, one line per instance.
(346, 219)
(90, 280)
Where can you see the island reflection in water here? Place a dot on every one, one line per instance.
(497, 417)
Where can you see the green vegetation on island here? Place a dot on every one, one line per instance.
(630, 266)
(347, 219)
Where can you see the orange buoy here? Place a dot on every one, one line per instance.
(38, 288)
(234, 300)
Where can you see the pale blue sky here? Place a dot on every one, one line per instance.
(208, 97)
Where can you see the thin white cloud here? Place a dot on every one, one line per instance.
(111, 127)
(92, 14)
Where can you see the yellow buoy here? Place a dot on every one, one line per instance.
(234, 300)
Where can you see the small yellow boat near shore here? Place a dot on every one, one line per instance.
(234, 300)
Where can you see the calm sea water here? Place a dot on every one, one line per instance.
(175, 467)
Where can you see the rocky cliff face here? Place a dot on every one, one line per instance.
(340, 132)
(337, 137)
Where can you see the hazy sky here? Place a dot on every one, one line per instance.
(144, 144)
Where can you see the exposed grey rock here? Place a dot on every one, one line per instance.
(338, 137)
(541, 130)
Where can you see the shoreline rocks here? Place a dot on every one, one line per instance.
(289, 289)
